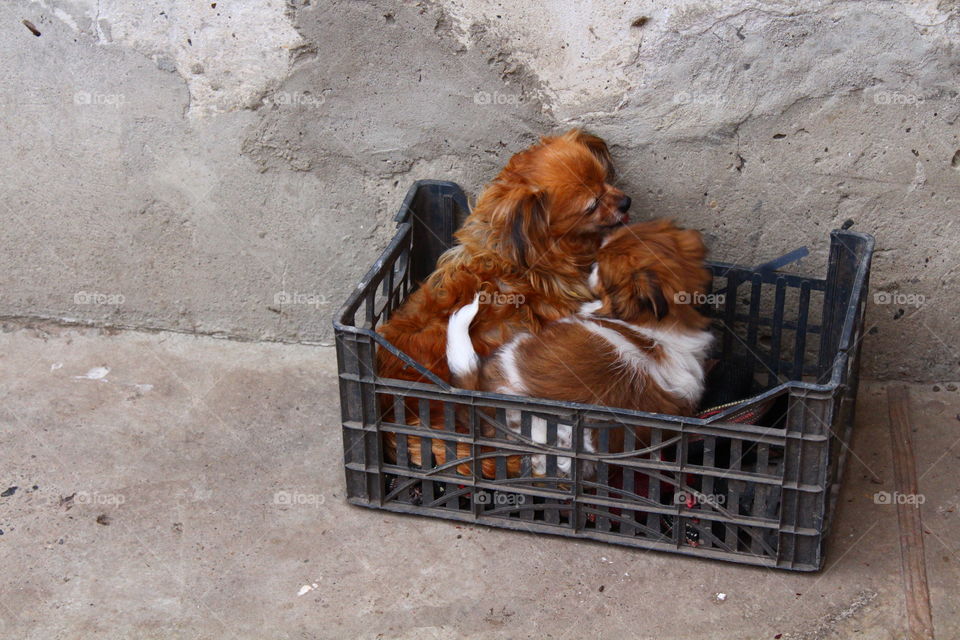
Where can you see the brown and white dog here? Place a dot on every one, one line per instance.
(528, 246)
(641, 345)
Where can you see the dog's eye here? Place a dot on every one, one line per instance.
(593, 206)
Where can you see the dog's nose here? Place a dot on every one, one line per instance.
(624, 204)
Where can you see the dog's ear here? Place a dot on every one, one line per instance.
(635, 297)
(520, 223)
(597, 147)
(656, 300)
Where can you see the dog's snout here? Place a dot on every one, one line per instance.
(624, 205)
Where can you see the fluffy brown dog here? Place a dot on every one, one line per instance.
(528, 246)
(641, 346)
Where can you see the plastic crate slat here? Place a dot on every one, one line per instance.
(709, 461)
(753, 318)
(629, 482)
(800, 339)
(789, 325)
(776, 332)
(726, 270)
(730, 314)
(403, 454)
(526, 466)
(624, 522)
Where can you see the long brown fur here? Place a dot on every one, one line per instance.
(647, 275)
(528, 244)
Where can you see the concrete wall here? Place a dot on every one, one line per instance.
(190, 161)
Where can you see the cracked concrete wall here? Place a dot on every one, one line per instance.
(178, 165)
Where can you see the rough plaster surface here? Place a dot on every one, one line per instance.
(228, 53)
(191, 164)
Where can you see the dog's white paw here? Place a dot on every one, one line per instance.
(461, 356)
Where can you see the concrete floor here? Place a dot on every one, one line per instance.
(195, 491)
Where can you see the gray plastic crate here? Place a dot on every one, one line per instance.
(762, 495)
